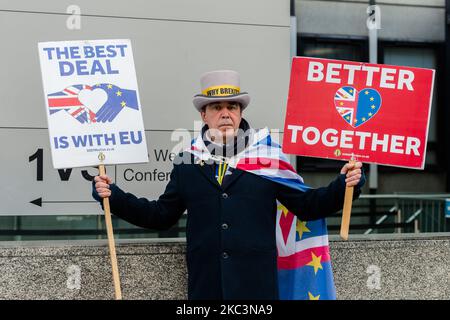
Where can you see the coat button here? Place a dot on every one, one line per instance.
(224, 195)
(224, 226)
(225, 255)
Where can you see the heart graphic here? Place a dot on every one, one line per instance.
(100, 103)
(356, 108)
(93, 99)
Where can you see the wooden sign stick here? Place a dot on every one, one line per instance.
(346, 212)
(112, 247)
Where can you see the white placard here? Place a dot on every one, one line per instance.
(92, 103)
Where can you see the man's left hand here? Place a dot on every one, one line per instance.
(353, 173)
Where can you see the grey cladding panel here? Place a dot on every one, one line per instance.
(267, 12)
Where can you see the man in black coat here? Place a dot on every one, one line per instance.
(231, 214)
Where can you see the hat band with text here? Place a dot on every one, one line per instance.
(221, 91)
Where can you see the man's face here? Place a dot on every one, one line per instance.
(223, 118)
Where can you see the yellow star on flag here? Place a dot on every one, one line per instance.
(370, 114)
(373, 106)
(315, 263)
(351, 90)
(366, 92)
(311, 297)
(109, 86)
(284, 209)
(119, 93)
(301, 227)
(363, 119)
(123, 104)
(371, 98)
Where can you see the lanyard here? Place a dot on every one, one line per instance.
(221, 170)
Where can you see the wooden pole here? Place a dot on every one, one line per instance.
(346, 212)
(112, 247)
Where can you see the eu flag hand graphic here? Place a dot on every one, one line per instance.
(118, 99)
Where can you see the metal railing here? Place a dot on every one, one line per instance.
(404, 213)
(381, 213)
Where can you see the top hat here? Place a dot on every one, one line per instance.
(220, 85)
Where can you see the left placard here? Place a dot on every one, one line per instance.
(92, 103)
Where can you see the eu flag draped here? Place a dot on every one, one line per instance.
(304, 264)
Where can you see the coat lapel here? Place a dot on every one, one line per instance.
(229, 180)
(208, 171)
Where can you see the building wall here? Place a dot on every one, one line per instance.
(174, 41)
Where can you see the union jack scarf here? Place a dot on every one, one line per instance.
(304, 264)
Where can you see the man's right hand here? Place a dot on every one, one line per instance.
(102, 186)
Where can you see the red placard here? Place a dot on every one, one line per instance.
(378, 113)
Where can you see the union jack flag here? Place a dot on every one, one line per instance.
(346, 103)
(68, 101)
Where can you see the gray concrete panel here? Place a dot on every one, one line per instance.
(365, 268)
(233, 11)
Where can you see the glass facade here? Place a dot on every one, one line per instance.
(421, 58)
(21, 228)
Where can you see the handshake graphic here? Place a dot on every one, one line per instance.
(91, 104)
